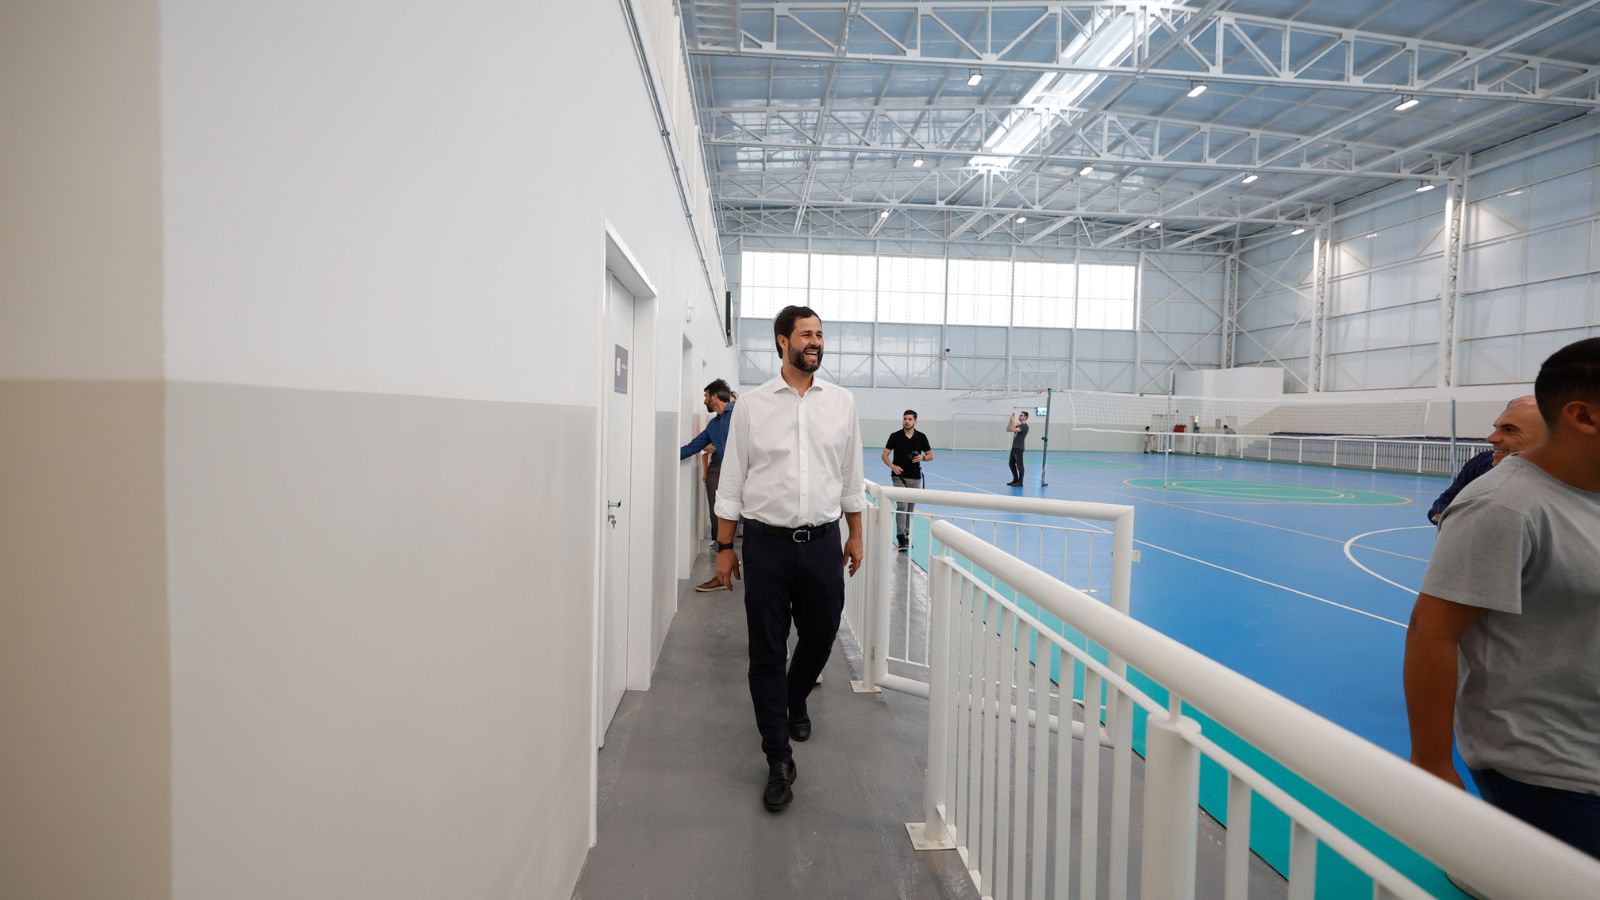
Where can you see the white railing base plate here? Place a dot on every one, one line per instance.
(861, 687)
(921, 841)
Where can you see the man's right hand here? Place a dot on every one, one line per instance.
(1445, 769)
(728, 563)
(895, 469)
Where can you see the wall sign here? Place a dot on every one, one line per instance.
(620, 371)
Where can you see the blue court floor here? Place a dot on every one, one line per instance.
(1299, 577)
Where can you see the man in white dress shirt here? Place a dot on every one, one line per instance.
(792, 466)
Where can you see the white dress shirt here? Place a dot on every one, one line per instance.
(792, 460)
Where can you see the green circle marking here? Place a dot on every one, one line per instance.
(1266, 492)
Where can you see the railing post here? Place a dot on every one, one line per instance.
(876, 664)
(930, 833)
(1171, 798)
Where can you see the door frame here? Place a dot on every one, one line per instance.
(621, 263)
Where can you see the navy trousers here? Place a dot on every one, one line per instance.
(787, 582)
(1567, 816)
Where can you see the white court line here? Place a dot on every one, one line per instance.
(1352, 557)
(1184, 505)
(1217, 566)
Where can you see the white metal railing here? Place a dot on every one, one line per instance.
(1101, 555)
(1387, 454)
(997, 670)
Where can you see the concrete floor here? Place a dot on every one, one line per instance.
(682, 772)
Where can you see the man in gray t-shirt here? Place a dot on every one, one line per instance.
(1018, 426)
(1505, 637)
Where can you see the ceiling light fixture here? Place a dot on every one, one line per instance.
(1425, 187)
(1086, 170)
(1248, 179)
(1196, 88)
(884, 214)
(974, 78)
(916, 163)
(1406, 102)
(1022, 220)
(1154, 224)
(1299, 230)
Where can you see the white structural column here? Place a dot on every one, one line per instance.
(1230, 306)
(1318, 351)
(1450, 290)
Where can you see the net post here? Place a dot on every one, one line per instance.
(1044, 447)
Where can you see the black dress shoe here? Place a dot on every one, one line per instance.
(778, 795)
(800, 729)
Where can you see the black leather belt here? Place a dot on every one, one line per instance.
(803, 534)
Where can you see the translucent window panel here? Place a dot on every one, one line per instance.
(1566, 303)
(770, 281)
(1349, 294)
(756, 367)
(756, 335)
(1490, 360)
(1041, 342)
(1491, 313)
(844, 287)
(967, 340)
(847, 337)
(980, 292)
(1562, 199)
(1492, 265)
(965, 373)
(1106, 297)
(849, 369)
(910, 289)
(1559, 253)
(1043, 294)
(1498, 216)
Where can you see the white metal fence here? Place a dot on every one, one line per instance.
(1000, 787)
(1387, 454)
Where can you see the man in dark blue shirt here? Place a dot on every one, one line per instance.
(1519, 428)
(719, 402)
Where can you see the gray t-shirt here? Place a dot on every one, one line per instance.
(1525, 546)
(1020, 436)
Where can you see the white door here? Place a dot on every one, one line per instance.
(619, 506)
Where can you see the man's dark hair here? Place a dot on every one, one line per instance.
(783, 325)
(910, 412)
(1571, 373)
(720, 390)
(1023, 414)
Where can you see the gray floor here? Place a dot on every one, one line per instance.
(682, 772)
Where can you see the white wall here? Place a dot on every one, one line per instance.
(384, 244)
(1529, 276)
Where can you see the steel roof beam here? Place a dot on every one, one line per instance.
(1276, 49)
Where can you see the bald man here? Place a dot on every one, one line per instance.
(1519, 428)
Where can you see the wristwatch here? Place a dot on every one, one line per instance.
(721, 546)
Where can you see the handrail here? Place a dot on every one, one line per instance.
(875, 668)
(1473, 841)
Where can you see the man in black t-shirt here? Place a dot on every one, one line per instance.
(1019, 431)
(904, 454)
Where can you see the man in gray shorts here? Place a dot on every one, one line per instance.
(1513, 593)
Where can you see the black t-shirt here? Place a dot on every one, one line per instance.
(903, 447)
(1020, 437)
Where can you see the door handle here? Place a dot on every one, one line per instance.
(616, 505)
